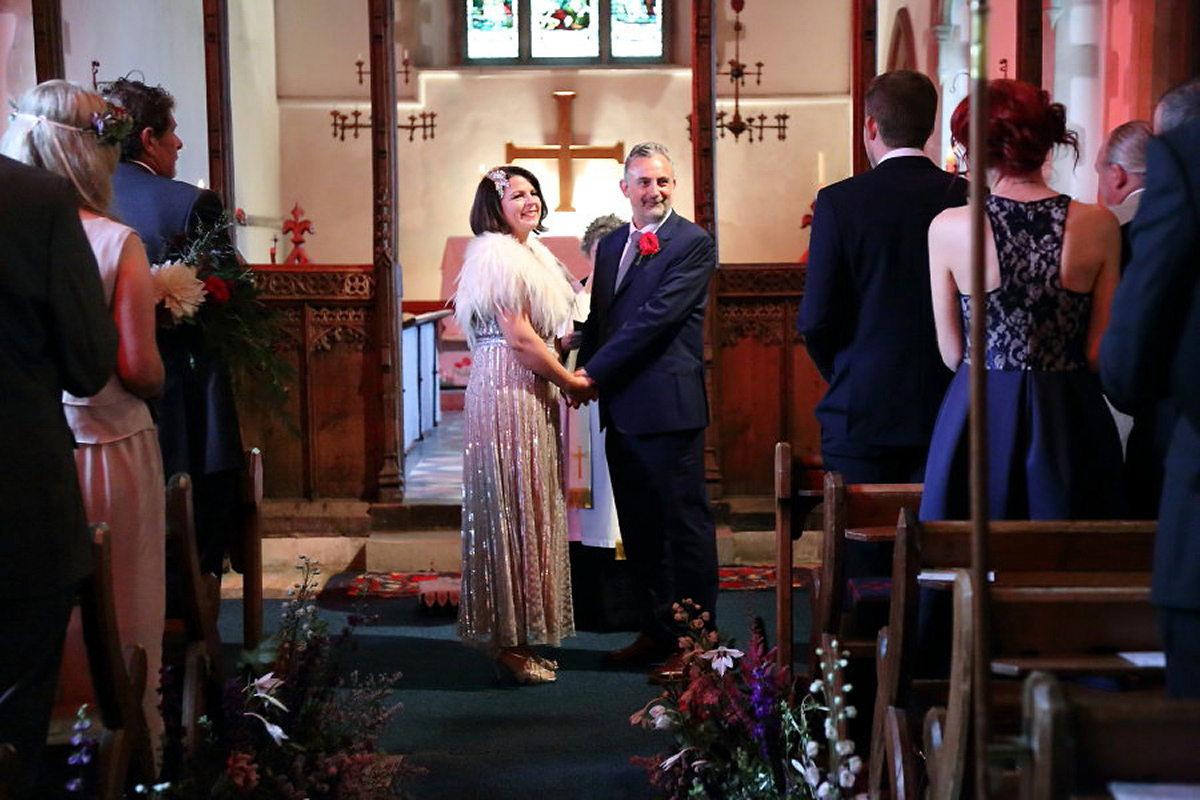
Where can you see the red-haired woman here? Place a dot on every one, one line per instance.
(1051, 265)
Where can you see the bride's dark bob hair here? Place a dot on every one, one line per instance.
(1023, 127)
(486, 213)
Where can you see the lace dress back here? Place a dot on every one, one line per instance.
(1053, 448)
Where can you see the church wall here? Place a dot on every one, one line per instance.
(254, 109)
(763, 188)
(167, 49)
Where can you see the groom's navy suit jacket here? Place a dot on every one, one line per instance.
(643, 343)
(197, 424)
(1151, 348)
(866, 315)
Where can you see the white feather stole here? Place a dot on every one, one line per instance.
(501, 274)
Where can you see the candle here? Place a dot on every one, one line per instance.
(820, 168)
(951, 162)
(404, 55)
(360, 59)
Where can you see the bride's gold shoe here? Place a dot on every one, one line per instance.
(526, 669)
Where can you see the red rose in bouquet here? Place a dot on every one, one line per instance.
(217, 289)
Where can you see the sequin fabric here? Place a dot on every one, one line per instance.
(1033, 323)
(516, 585)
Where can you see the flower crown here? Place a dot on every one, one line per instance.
(500, 178)
(110, 127)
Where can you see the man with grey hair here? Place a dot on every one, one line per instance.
(1121, 171)
(1151, 352)
(643, 350)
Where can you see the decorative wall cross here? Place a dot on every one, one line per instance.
(565, 150)
(425, 122)
(297, 227)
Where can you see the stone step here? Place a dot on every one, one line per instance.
(411, 551)
(406, 551)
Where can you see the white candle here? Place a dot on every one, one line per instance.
(820, 168)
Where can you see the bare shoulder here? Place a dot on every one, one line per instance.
(952, 222)
(1092, 216)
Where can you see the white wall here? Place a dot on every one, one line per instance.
(764, 188)
(159, 43)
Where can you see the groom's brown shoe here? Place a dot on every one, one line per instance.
(642, 652)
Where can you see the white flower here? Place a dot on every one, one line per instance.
(816, 686)
(812, 775)
(722, 658)
(855, 764)
(811, 748)
(845, 747)
(846, 779)
(178, 288)
(671, 761)
(851, 712)
(273, 730)
(264, 686)
(662, 720)
(824, 790)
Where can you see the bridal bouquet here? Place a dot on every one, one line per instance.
(208, 301)
(739, 730)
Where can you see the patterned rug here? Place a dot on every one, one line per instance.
(345, 589)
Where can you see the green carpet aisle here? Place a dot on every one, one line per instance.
(480, 739)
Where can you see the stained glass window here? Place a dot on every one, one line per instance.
(636, 28)
(565, 31)
(492, 29)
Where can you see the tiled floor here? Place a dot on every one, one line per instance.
(433, 466)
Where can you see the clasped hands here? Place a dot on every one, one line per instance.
(580, 389)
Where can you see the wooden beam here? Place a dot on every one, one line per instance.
(382, 16)
(704, 112)
(1029, 41)
(48, 40)
(217, 103)
(864, 25)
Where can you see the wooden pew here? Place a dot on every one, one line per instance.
(1081, 558)
(794, 500)
(191, 642)
(1078, 745)
(851, 506)
(118, 676)
(1072, 628)
(251, 550)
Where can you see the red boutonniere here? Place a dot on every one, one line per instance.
(648, 244)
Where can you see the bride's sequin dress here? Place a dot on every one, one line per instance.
(516, 575)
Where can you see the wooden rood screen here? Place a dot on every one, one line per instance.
(764, 386)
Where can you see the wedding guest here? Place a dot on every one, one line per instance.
(75, 133)
(597, 559)
(866, 315)
(1051, 266)
(1151, 351)
(513, 300)
(1121, 173)
(197, 416)
(643, 352)
(56, 335)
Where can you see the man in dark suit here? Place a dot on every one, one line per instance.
(197, 420)
(866, 315)
(643, 349)
(56, 333)
(1151, 350)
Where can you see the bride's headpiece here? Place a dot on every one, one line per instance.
(110, 127)
(500, 178)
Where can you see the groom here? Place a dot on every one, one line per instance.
(643, 351)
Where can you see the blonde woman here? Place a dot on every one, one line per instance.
(72, 132)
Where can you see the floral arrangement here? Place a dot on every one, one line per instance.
(739, 731)
(208, 301)
(289, 728)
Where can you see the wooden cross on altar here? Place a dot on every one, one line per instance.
(565, 151)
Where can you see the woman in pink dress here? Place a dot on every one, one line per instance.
(73, 132)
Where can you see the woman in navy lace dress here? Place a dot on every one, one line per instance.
(1051, 267)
